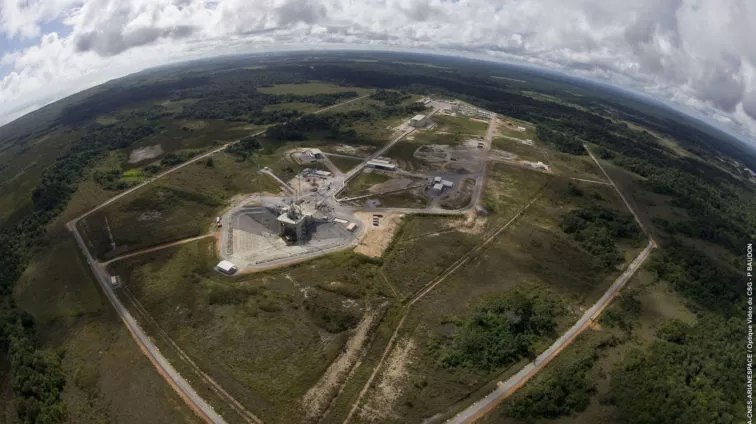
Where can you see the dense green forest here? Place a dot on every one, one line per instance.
(688, 365)
(502, 330)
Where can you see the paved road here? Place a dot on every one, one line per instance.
(163, 366)
(488, 403)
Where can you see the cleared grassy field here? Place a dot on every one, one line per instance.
(523, 151)
(460, 125)
(533, 254)
(298, 106)
(267, 337)
(361, 184)
(108, 379)
(423, 247)
(344, 164)
(181, 205)
(314, 87)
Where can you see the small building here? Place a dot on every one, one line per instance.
(438, 187)
(323, 174)
(382, 164)
(436, 180)
(521, 129)
(447, 184)
(114, 280)
(340, 221)
(418, 121)
(351, 226)
(317, 153)
(226, 267)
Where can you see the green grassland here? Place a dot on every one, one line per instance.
(311, 88)
(534, 255)
(344, 164)
(107, 377)
(505, 130)
(460, 125)
(573, 166)
(524, 152)
(423, 247)
(21, 166)
(298, 106)
(266, 337)
(413, 198)
(182, 205)
(361, 184)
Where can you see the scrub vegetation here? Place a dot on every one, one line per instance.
(663, 351)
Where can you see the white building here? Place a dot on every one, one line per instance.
(226, 267)
(438, 187)
(436, 180)
(447, 184)
(382, 164)
(418, 121)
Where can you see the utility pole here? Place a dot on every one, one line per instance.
(110, 234)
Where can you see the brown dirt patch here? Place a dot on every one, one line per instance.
(472, 224)
(376, 240)
(380, 405)
(317, 400)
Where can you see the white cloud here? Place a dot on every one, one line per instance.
(698, 53)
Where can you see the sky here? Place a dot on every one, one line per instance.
(696, 54)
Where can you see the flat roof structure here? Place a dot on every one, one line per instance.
(379, 163)
(418, 117)
(226, 267)
(437, 180)
(446, 183)
(438, 187)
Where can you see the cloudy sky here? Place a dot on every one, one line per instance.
(696, 53)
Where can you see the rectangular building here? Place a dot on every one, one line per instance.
(417, 121)
(226, 267)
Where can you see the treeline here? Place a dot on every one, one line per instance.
(688, 376)
(250, 106)
(37, 376)
(562, 142)
(245, 147)
(697, 277)
(334, 126)
(502, 330)
(597, 229)
(390, 97)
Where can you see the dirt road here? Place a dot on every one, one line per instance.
(150, 350)
(503, 390)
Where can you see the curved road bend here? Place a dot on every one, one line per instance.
(484, 406)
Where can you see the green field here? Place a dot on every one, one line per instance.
(524, 152)
(311, 88)
(298, 106)
(534, 255)
(344, 164)
(182, 205)
(361, 184)
(239, 330)
(460, 125)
